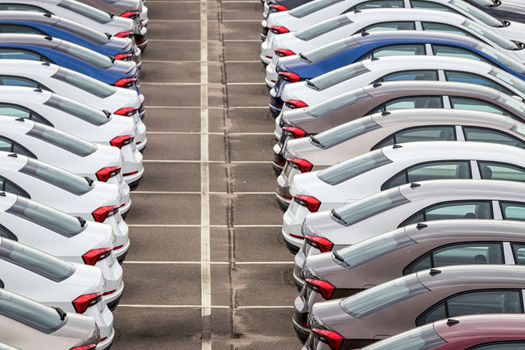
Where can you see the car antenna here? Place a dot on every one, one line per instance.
(452, 322)
(434, 272)
(421, 226)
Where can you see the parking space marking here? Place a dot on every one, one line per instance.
(197, 84)
(186, 61)
(247, 307)
(209, 161)
(196, 40)
(211, 226)
(210, 133)
(148, 262)
(213, 193)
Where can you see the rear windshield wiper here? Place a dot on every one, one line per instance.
(89, 180)
(316, 141)
(340, 258)
(82, 221)
(338, 217)
(311, 84)
(61, 313)
(303, 57)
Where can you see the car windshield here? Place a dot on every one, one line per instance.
(508, 78)
(373, 248)
(78, 110)
(86, 10)
(349, 169)
(52, 219)
(517, 107)
(337, 76)
(323, 27)
(344, 132)
(60, 139)
(83, 31)
(35, 261)
(333, 104)
(328, 50)
(84, 82)
(421, 338)
(501, 58)
(490, 35)
(57, 177)
(86, 55)
(477, 13)
(368, 207)
(30, 313)
(311, 7)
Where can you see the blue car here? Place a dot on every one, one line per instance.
(72, 56)
(24, 22)
(362, 46)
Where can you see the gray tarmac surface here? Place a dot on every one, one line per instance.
(227, 285)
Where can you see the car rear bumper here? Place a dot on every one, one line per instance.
(108, 342)
(122, 252)
(113, 302)
(284, 202)
(302, 332)
(292, 244)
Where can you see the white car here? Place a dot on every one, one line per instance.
(73, 118)
(372, 132)
(346, 25)
(62, 190)
(392, 166)
(57, 283)
(64, 236)
(49, 145)
(320, 10)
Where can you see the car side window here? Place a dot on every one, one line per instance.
(453, 210)
(410, 103)
(427, 5)
(508, 345)
(426, 75)
(430, 171)
(387, 26)
(471, 104)
(22, 7)
(19, 29)
(9, 186)
(395, 50)
(513, 211)
(21, 112)
(7, 145)
(18, 81)
(18, 54)
(518, 249)
(436, 313)
(376, 4)
(443, 28)
(501, 171)
(463, 77)
(450, 51)
(492, 136)
(423, 133)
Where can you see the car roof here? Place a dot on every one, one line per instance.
(12, 161)
(478, 230)
(400, 63)
(30, 39)
(393, 14)
(475, 276)
(7, 200)
(39, 17)
(416, 35)
(24, 67)
(13, 94)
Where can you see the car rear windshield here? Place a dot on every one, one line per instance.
(501, 58)
(311, 7)
(323, 27)
(83, 31)
(89, 56)
(336, 103)
(30, 313)
(86, 10)
(57, 177)
(368, 207)
(477, 13)
(326, 51)
(78, 110)
(35, 261)
(349, 169)
(84, 82)
(344, 132)
(491, 35)
(373, 248)
(52, 219)
(421, 338)
(508, 78)
(60, 139)
(337, 76)
(380, 297)
(515, 106)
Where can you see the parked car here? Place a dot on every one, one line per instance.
(369, 133)
(481, 332)
(271, 6)
(417, 299)
(56, 283)
(24, 22)
(27, 323)
(346, 25)
(406, 250)
(513, 10)
(84, 14)
(62, 190)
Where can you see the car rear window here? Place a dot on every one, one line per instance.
(30, 313)
(501, 58)
(477, 13)
(344, 132)
(422, 338)
(337, 76)
(57, 177)
(378, 298)
(86, 10)
(311, 7)
(84, 82)
(78, 110)
(326, 51)
(336, 103)
(485, 32)
(349, 169)
(517, 107)
(35, 261)
(88, 56)
(61, 139)
(83, 31)
(510, 79)
(52, 219)
(323, 28)
(368, 207)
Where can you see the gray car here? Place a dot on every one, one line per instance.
(417, 299)
(27, 324)
(406, 250)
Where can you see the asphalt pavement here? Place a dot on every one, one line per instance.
(207, 268)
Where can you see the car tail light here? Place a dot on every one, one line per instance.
(102, 339)
(95, 255)
(294, 104)
(83, 302)
(102, 213)
(279, 30)
(284, 52)
(324, 245)
(294, 132)
(85, 347)
(125, 82)
(290, 77)
(118, 247)
(326, 289)
(303, 165)
(124, 35)
(130, 14)
(278, 8)
(131, 173)
(309, 202)
(124, 57)
(109, 292)
(105, 174)
(126, 111)
(296, 236)
(121, 141)
(332, 338)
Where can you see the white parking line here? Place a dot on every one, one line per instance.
(196, 193)
(190, 61)
(146, 262)
(209, 107)
(196, 40)
(211, 226)
(247, 307)
(210, 133)
(197, 84)
(209, 161)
